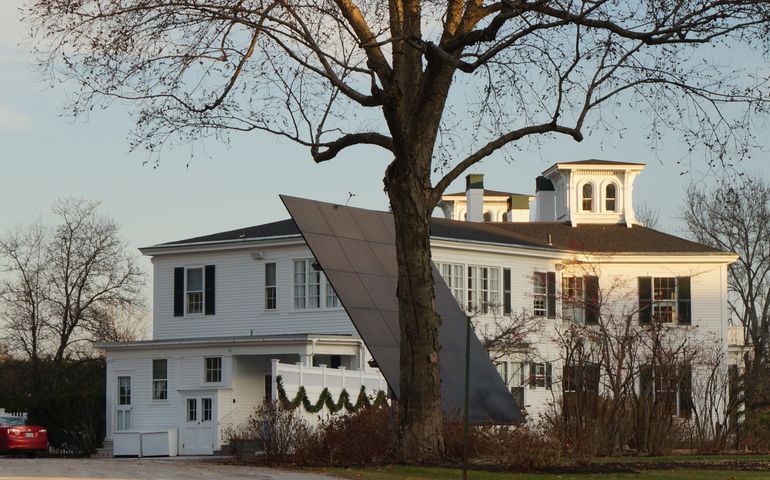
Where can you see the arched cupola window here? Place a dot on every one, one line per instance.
(487, 216)
(588, 197)
(610, 198)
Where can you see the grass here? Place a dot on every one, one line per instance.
(420, 473)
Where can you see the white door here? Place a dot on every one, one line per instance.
(199, 431)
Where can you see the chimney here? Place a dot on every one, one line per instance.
(474, 197)
(545, 200)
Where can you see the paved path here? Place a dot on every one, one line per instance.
(180, 468)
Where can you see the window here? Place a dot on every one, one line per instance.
(512, 373)
(213, 370)
(483, 289)
(194, 292)
(665, 300)
(124, 390)
(610, 197)
(207, 407)
(311, 288)
(544, 294)
(331, 296)
(271, 287)
(160, 379)
(669, 388)
(540, 375)
(454, 278)
(588, 198)
(580, 299)
(192, 409)
(580, 387)
(507, 291)
(573, 299)
(487, 216)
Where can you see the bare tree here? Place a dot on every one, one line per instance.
(734, 216)
(335, 74)
(68, 283)
(23, 293)
(647, 215)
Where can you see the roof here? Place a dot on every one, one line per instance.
(588, 238)
(604, 238)
(281, 228)
(490, 193)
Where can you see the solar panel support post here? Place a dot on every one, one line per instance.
(466, 417)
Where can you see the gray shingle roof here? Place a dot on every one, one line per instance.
(614, 238)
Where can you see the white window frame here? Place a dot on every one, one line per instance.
(217, 369)
(454, 276)
(483, 289)
(302, 300)
(271, 290)
(540, 297)
(540, 377)
(187, 291)
(582, 197)
(662, 306)
(573, 298)
(605, 197)
(160, 382)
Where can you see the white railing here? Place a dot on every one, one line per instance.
(12, 414)
(315, 379)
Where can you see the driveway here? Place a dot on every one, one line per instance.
(179, 468)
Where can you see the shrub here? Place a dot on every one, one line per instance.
(363, 437)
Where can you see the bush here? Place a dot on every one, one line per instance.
(361, 438)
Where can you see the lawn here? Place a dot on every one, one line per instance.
(417, 473)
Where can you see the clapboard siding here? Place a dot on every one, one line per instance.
(240, 298)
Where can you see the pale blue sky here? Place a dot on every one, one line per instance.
(45, 156)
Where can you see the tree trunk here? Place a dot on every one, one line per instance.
(420, 433)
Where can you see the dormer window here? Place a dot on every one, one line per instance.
(610, 198)
(588, 197)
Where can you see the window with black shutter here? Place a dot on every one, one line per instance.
(551, 288)
(645, 300)
(210, 296)
(179, 291)
(507, 291)
(683, 315)
(592, 299)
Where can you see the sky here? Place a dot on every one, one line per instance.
(45, 156)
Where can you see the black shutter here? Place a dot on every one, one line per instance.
(550, 290)
(532, 376)
(591, 299)
(210, 296)
(685, 392)
(646, 386)
(548, 376)
(179, 292)
(645, 300)
(506, 291)
(683, 315)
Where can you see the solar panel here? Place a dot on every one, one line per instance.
(357, 252)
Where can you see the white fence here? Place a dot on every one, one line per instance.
(315, 379)
(3, 413)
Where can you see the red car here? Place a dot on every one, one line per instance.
(17, 436)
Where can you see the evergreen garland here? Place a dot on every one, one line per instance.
(326, 400)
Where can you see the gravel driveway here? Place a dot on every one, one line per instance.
(179, 468)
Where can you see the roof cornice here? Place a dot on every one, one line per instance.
(219, 245)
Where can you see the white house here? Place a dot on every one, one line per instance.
(234, 310)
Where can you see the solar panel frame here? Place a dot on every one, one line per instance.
(356, 250)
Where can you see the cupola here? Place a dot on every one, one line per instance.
(589, 191)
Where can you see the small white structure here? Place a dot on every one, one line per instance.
(234, 310)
